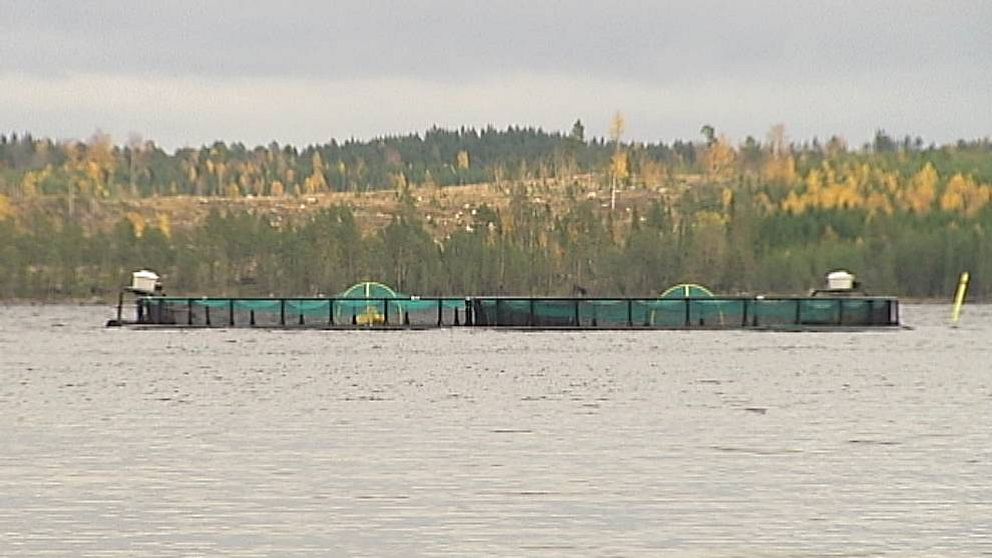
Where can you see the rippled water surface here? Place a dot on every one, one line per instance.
(470, 442)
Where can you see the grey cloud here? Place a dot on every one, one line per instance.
(188, 72)
(452, 40)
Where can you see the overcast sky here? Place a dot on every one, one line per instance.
(187, 73)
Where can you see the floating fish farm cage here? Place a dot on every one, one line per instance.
(375, 306)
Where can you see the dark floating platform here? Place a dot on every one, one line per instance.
(526, 313)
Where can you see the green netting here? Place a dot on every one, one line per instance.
(257, 305)
(384, 306)
(211, 303)
(718, 313)
(607, 312)
(819, 311)
(602, 312)
(562, 310)
(377, 309)
(671, 312)
(363, 311)
(415, 305)
(358, 303)
(856, 312)
(674, 311)
(773, 312)
(578, 312)
(308, 307)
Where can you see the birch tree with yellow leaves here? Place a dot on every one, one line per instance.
(619, 167)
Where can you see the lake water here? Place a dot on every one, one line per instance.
(115, 442)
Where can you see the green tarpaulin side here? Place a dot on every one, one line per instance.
(674, 312)
(257, 305)
(668, 312)
(308, 306)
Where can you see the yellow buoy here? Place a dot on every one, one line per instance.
(959, 297)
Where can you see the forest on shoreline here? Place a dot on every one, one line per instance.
(552, 213)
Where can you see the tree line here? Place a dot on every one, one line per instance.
(99, 168)
(756, 217)
(727, 242)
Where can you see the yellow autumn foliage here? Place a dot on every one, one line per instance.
(165, 224)
(963, 195)
(398, 180)
(720, 159)
(652, 173)
(315, 183)
(710, 219)
(29, 184)
(878, 202)
(137, 221)
(794, 203)
(953, 198)
(763, 201)
(727, 199)
(461, 160)
(781, 169)
(814, 182)
(620, 166)
(922, 191)
(6, 209)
